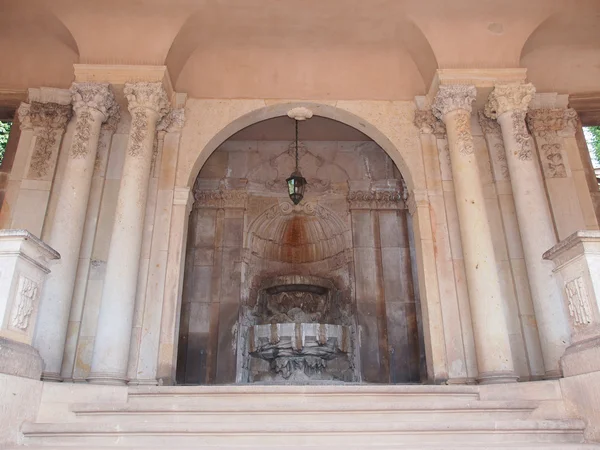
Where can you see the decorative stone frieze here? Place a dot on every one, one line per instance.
(549, 123)
(452, 97)
(49, 121)
(548, 126)
(509, 97)
(427, 123)
(375, 200)
(493, 135)
(522, 138)
(220, 199)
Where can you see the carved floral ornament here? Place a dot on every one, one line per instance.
(427, 123)
(457, 97)
(375, 200)
(509, 97)
(544, 122)
(488, 126)
(452, 97)
(49, 121)
(220, 198)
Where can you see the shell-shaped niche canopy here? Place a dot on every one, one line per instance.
(299, 234)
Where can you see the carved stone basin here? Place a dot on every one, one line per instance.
(298, 351)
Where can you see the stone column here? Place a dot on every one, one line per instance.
(508, 104)
(91, 104)
(48, 113)
(23, 267)
(494, 358)
(148, 103)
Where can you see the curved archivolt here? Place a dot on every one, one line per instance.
(298, 234)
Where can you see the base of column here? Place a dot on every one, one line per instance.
(111, 379)
(553, 375)
(581, 357)
(52, 377)
(497, 377)
(19, 359)
(143, 382)
(464, 380)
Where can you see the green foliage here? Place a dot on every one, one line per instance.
(4, 132)
(592, 135)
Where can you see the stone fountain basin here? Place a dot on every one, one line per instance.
(277, 340)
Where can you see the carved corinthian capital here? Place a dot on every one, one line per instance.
(551, 121)
(509, 97)
(49, 115)
(452, 97)
(173, 121)
(427, 123)
(147, 96)
(96, 96)
(24, 118)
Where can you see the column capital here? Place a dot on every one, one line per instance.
(552, 120)
(96, 96)
(452, 97)
(427, 123)
(49, 115)
(148, 96)
(24, 117)
(509, 97)
(173, 121)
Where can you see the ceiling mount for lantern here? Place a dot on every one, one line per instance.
(296, 182)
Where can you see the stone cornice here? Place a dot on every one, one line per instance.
(145, 95)
(375, 200)
(220, 198)
(544, 121)
(427, 123)
(50, 95)
(509, 97)
(453, 97)
(98, 96)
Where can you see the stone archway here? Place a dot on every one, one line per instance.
(389, 124)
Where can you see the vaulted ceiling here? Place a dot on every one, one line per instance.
(314, 49)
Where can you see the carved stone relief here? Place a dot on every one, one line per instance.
(579, 302)
(463, 129)
(375, 200)
(49, 121)
(548, 125)
(522, 137)
(26, 297)
(427, 123)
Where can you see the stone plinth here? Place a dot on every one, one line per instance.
(577, 261)
(23, 268)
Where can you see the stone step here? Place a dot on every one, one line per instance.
(250, 394)
(219, 411)
(288, 446)
(278, 435)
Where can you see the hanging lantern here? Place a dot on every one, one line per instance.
(296, 182)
